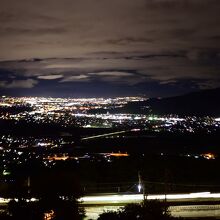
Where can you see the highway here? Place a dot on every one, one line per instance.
(97, 204)
(109, 134)
(104, 135)
(131, 198)
(189, 211)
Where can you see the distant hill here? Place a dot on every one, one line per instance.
(201, 103)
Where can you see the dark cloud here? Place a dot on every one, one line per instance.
(29, 31)
(118, 42)
(27, 84)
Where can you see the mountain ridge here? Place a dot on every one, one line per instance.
(199, 103)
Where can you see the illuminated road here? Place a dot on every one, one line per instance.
(190, 211)
(110, 134)
(121, 199)
(103, 135)
(95, 205)
(131, 198)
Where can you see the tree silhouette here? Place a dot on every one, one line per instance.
(147, 210)
(56, 192)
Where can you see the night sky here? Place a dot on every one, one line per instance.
(89, 48)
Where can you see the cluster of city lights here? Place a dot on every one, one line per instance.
(77, 112)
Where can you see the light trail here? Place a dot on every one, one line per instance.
(136, 198)
(139, 197)
(5, 200)
(180, 211)
(103, 135)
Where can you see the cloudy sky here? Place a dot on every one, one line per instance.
(83, 48)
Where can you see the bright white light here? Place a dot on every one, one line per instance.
(2, 200)
(139, 197)
(139, 188)
(136, 129)
(112, 198)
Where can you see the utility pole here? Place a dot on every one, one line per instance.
(139, 181)
(141, 185)
(29, 185)
(166, 185)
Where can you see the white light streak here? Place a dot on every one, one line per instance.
(139, 197)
